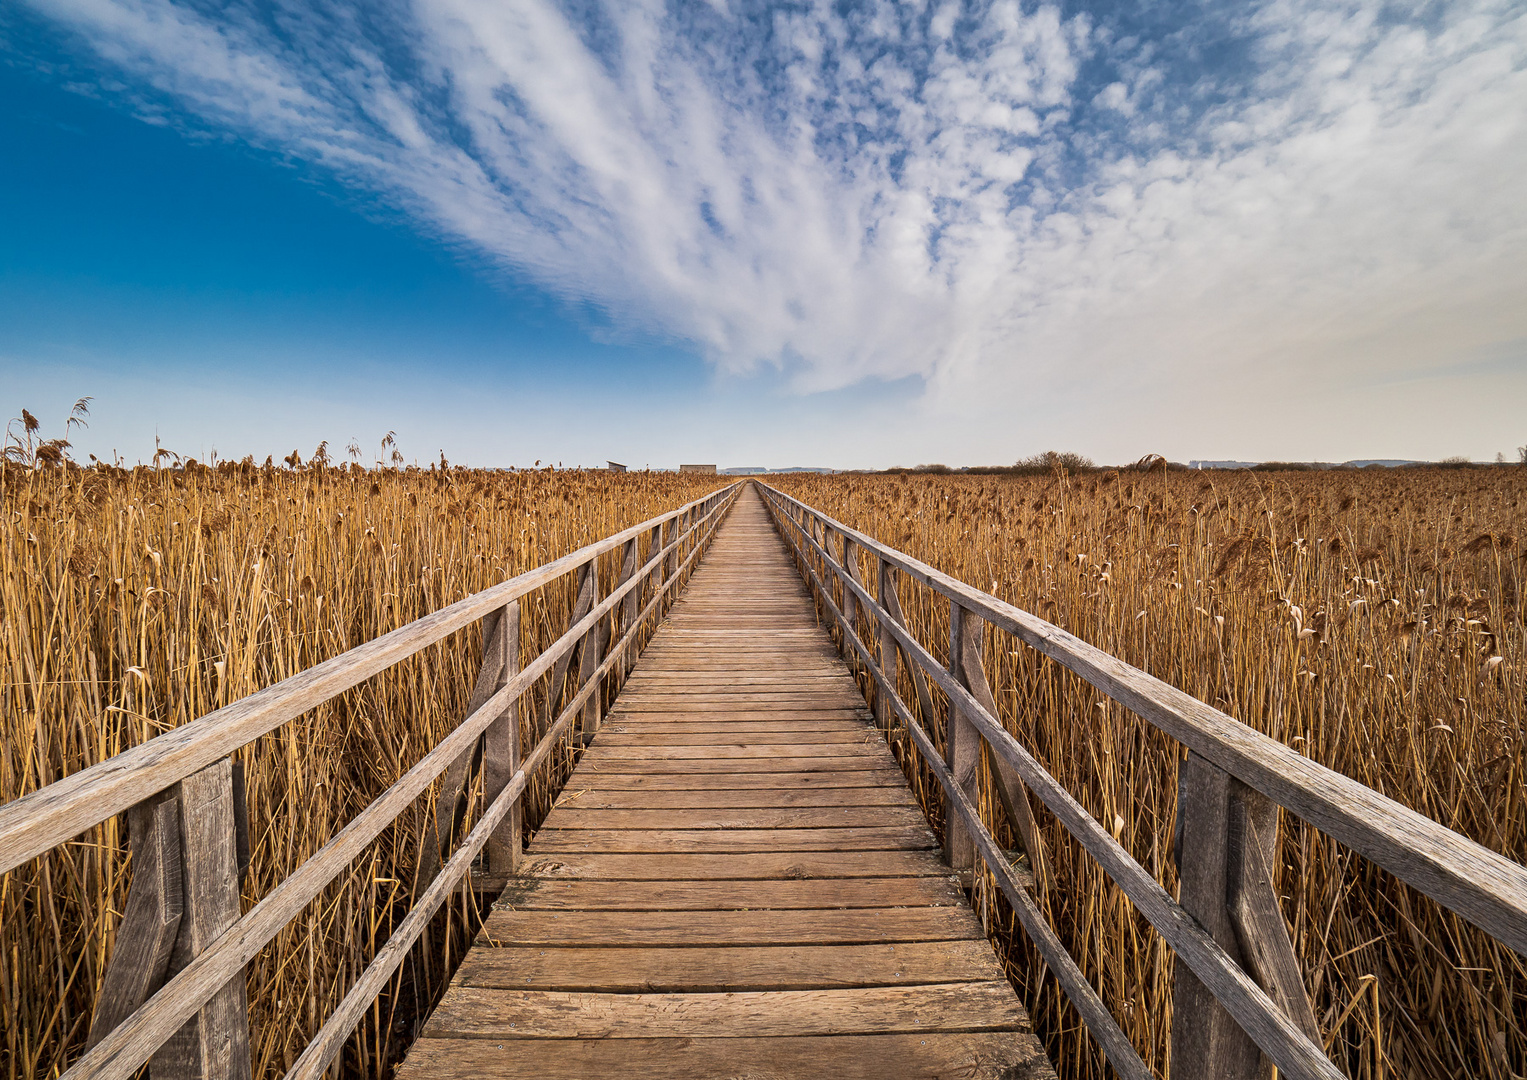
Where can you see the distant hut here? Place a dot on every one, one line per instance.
(698, 468)
(615, 466)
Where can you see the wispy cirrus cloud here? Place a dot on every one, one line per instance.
(992, 197)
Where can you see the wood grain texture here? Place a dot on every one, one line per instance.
(967, 1056)
(151, 920)
(472, 1012)
(214, 1043)
(727, 968)
(736, 861)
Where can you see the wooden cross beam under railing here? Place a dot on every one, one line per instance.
(1238, 994)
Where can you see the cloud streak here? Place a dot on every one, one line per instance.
(995, 198)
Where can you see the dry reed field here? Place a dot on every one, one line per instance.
(1372, 620)
(134, 601)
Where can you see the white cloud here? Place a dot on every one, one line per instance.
(836, 195)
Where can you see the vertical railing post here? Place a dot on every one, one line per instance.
(140, 959)
(1225, 849)
(501, 747)
(962, 749)
(885, 584)
(1006, 784)
(583, 603)
(628, 609)
(213, 1044)
(455, 790)
(590, 655)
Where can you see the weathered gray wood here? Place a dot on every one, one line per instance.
(1206, 1040)
(119, 1055)
(726, 968)
(1483, 886)
(47, 817)
(892, 606)
(584, 600)
(451, 805)
(1279, 1037)
(140, 958)
(468, 1012)
(501, 747)
(1011, 793)
(214, 1044)
(987, 1055)
(327, 1044)
(628, 609)
(1100, 1022)
(885, 584)
(962, 750)
(590, 661)
(1260, 930)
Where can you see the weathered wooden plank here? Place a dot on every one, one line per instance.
(724, 716)
(721, 733)
(735, 798)
(613, 780)
(968, 1056)
(852, 926)
(812, 817)
(721, 969)
(215, 1042)
(724, 753)
(151, 918)
(558, 894)
(710, 841)
(599, 763)
(473, 1012)
(796, 865)
(501, 748)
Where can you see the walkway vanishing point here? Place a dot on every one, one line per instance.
(736, 881)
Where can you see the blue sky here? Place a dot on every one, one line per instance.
(852, 234)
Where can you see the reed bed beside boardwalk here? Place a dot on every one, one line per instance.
(1372, 620)
(133, 601)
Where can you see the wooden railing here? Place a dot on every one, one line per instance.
(174, 991)
(1238, 993)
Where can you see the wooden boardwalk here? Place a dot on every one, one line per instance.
(736, 881)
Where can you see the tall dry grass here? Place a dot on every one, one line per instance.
(1372, 620)
(133, 602)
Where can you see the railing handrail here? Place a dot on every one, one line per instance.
(122, 1051)
(41, 820)
(1293, 1047)
(1481, 885)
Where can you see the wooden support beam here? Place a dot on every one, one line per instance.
(592, 655)
(1224, 844)
(1252, 897)
(501, 747)
(451, 806)
(214, 1044)
(1010, 791)
(140, 959)
(885, 586)
(628, 609)
(962, 750)
(583, 603)
(892, 604)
